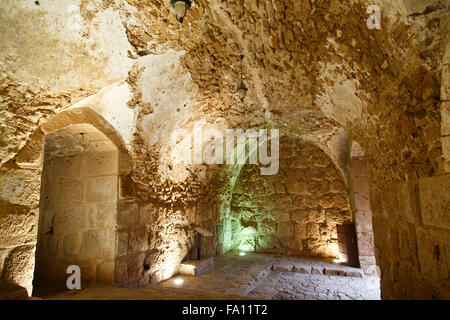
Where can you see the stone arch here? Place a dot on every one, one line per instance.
(233, 173)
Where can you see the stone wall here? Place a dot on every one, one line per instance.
(295, 211)
(78, 208)
(19, 200)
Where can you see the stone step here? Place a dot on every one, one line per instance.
(196, 267)
(329, 270)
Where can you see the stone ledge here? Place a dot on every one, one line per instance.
(196, 267)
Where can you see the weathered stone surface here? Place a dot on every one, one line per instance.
(18, 226)
(435, 201)
(104, 163)
(71, 244)
(98, 243)
(127, 214)
(105, 272)
(101, 189)
(445, 114)
(20, 186)
(18, 267)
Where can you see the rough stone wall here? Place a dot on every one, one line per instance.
(295, 211)
(445, 93)
(78, 208)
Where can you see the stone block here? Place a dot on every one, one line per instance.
(337, 186)
(362, 202)
(435, 201)
(446, 148)
(302, 268)
(97, 244)
(91, 213)
(285, 229)
(127, 187)
(445, 118)
(282, 215)
(135, 267)
(19, 266)
(122, 243)
(66, 169)
(13, 293)
(138, 240)
(445, 82)
(68, 191)
(146, 214)
(31, 155)
(296, 188)
(196, 267)
(361, 185)
(121, 271)
(88, 268)
(280, 188)
(3, 254)
(354, 274)
(299, 202)
(337, 216)
(102, 189)
(333, 271)
(365, 243)
(317, 187)
(106, 215)
(105, 272)
(300, 216)
(312, 231)
(433, 254)
(359, 168)
(20, 186)
(363, 221)
(70, 217)
(125, 163)
(326, 201)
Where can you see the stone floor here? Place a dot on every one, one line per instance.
(282, 285)
(253, 276)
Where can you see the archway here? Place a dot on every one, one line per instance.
(27, 172)
(293, 212)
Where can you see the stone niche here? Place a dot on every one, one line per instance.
(78, 207)
(295, 211)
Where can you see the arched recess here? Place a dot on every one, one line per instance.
(21, 184)
(294, 176)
